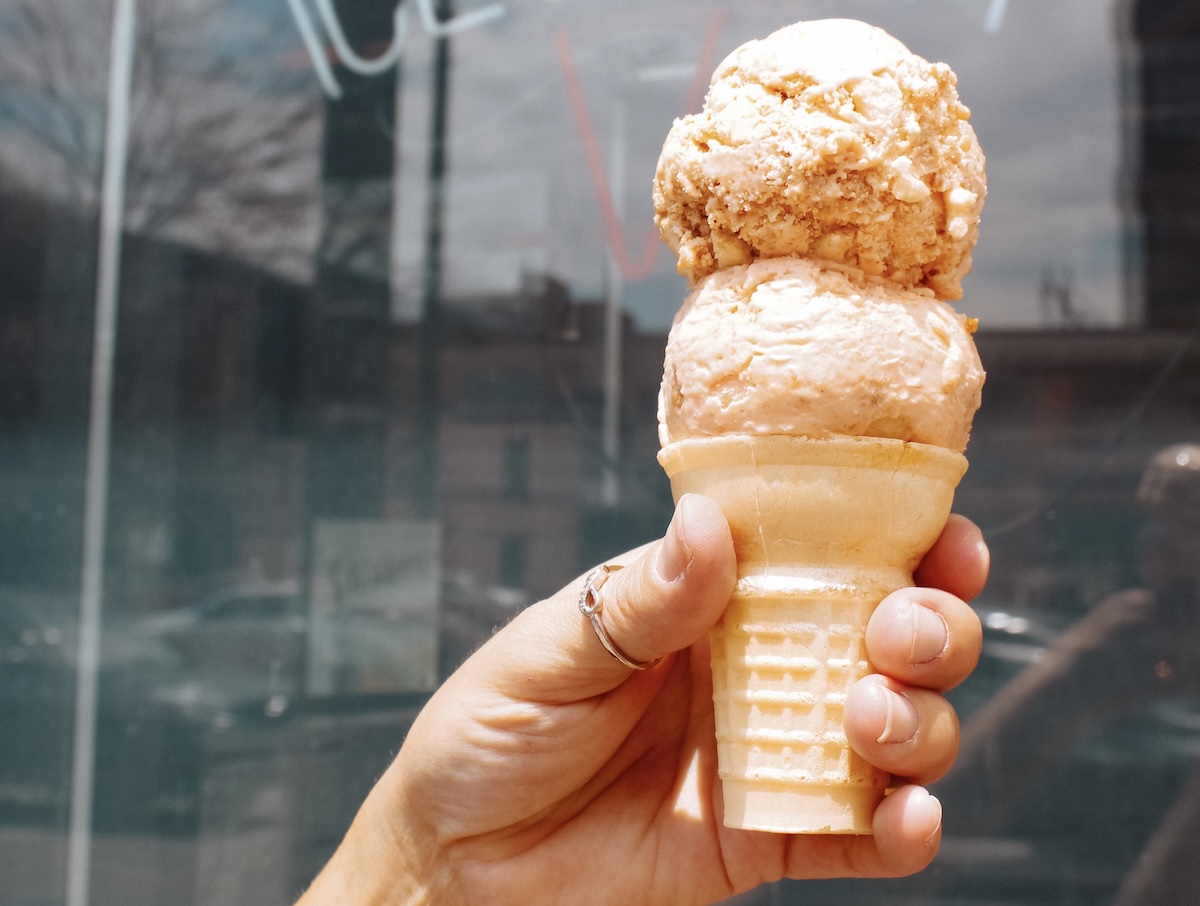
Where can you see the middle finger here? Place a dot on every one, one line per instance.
(924, 637)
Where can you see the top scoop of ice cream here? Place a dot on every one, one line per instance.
(785, 346)
(827, 139)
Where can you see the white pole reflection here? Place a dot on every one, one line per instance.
(610, 488)
(995, 15)
(95, 510)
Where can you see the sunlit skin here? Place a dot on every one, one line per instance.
(544, 772)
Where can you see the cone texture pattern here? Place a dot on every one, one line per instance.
(824, 529)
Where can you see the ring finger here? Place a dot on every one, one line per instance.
(908, 731)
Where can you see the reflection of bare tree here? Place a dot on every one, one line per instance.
(221, 147)
(52, 69)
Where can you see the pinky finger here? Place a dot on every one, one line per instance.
(905, 836)
(908, 830)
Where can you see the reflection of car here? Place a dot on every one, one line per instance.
(1011, 642)
(1014, 640)
(470, 612)
(256, 629)
(1085, 821)
(1075, 832)
(37, 688)
(155, 714)
(371, 642)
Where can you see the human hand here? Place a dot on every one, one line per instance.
(543, 771)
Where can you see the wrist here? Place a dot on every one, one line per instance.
(382, 861)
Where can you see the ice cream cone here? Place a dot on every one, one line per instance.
(824, 529)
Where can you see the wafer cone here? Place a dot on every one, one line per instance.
(824, 529)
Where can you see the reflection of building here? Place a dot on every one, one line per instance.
(520, 460)
(1165, 147)
(217, 438)
(215, 434)
(1068, 422)
(215, 431)
(227, 383)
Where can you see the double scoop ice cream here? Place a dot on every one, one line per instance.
(817, 383)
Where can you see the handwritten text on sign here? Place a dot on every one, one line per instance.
(332, 25)
(369, 67)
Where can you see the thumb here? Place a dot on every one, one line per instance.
(667, 596)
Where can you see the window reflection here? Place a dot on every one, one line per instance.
(1163, 35)
(360, 396)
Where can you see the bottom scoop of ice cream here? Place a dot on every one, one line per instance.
(785, 346)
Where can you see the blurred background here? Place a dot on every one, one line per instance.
(330, 337)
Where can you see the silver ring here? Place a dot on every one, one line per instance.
(590, 606)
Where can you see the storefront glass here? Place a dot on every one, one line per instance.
(330, 337)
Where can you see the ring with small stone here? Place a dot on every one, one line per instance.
(591, 606)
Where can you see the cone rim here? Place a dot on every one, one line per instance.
(883, 453)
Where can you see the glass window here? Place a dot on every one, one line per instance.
(325, 348)
(516, 467)
(512, 561)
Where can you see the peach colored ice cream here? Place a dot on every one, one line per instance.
(824, 205)
(784, 346)
(828, 139)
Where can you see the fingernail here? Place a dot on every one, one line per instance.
(933, 806)
(929, 635)
(674, 555)
(900, 716)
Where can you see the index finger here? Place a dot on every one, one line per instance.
(958, 562)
